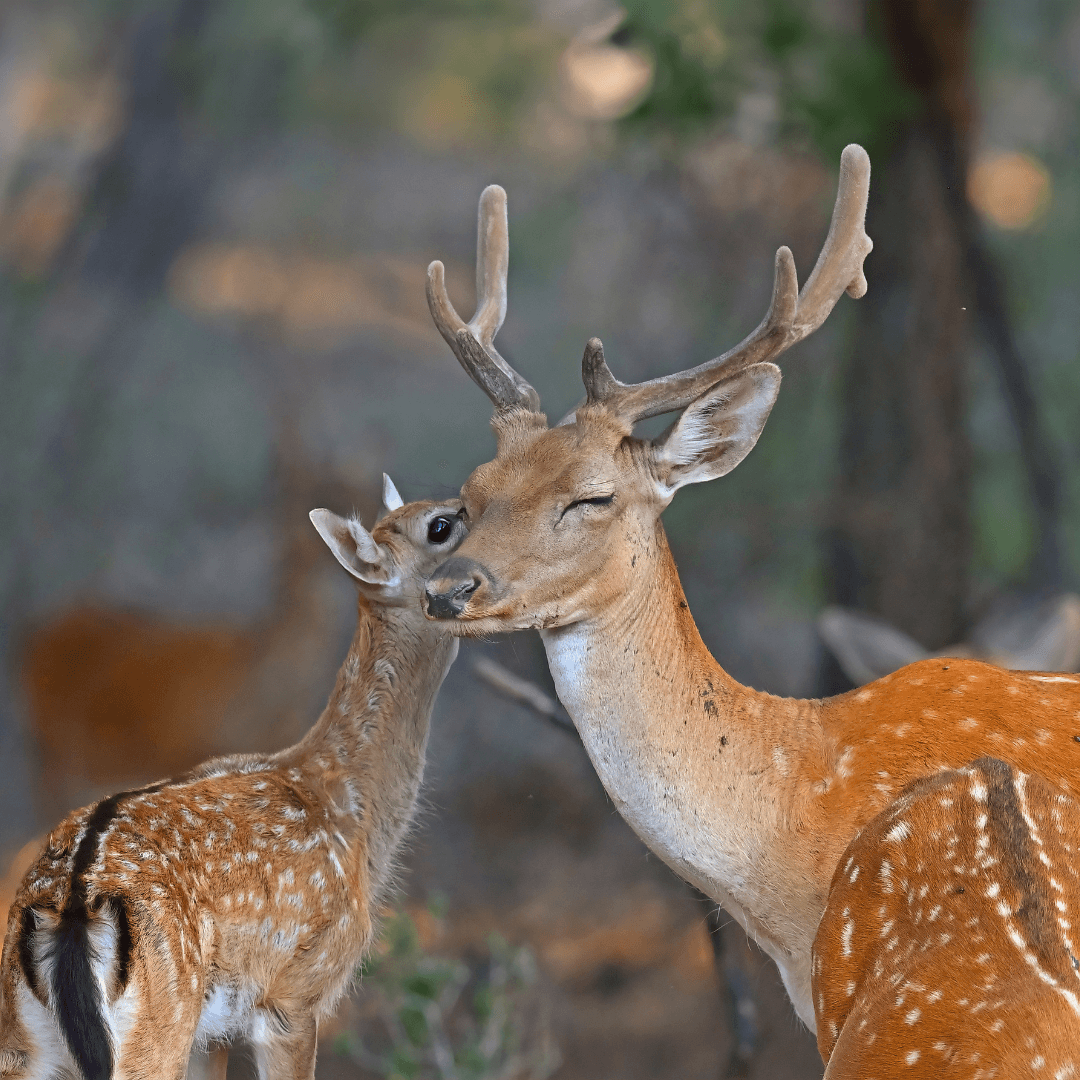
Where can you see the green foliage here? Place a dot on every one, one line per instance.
(785, 28)
(691, 87)
(682, 96)
(833, 87)
(847, 92)
(1002, 523)
(440, 1019)
(350, 20)
(448, 72)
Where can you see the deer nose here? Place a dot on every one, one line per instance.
(449, 588)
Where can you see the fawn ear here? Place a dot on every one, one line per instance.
(354, 547)
(390, 497)
(716, 431)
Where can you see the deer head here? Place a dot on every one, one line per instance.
(561, 518)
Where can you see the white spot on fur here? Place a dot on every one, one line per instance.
(846, 933)
(885, 873)
(900, 831)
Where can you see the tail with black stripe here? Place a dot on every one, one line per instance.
(86, 949)
(76, 995)
(68, 961)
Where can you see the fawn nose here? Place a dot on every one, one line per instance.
(448, 589)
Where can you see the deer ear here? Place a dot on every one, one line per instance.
(354, 547)
(390, 497)
(866, 648)
(716, 431)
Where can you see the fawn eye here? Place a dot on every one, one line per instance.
(439, 530)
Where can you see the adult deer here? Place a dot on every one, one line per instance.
(237, 901)
(947, 946)
(750, 797)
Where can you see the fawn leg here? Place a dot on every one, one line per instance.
(209, 1064)
(285, 1047)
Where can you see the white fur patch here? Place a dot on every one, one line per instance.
(49, 1056)
(227, 1013)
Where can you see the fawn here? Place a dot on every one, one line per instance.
(237, 900)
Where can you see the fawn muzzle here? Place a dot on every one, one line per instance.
(452, 585)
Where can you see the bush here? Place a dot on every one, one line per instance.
(439, 1018)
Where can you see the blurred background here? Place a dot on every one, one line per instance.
(215, 219)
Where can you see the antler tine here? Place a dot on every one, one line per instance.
(839, 267)
(492, 263)
(472, 342)
(792, 315)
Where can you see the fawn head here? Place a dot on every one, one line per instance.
(560, 519)
(392, 561)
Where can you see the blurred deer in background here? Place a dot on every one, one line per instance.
(1034, 636)
(750, 797)
(946, 945)
(237, 901)
(116, 697)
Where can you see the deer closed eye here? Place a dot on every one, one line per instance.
(597, 500)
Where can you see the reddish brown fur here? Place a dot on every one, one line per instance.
(250, 883)
(101, 683)
(947, 945)
(943, 713)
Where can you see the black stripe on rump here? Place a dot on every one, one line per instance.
(1019, 861)
(124, 947)
(27, 926)
(75, 990)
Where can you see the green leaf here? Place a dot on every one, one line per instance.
(483, 1002)
(415, 1024)
(438, 904)
(423, 984)
(403, 1064)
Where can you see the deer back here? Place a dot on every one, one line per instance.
(948, 942)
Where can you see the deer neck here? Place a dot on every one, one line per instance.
(369, 744)
(715, 777)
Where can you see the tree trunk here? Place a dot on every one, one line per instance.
(901, 538)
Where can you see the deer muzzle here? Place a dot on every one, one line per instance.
(452, 585)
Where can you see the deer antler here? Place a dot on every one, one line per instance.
(472, 342)
(792, 315)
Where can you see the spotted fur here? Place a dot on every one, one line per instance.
(948, 945)
(236, 901)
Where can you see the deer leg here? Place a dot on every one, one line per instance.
(209, 1064)
(285, 1048)
(740, 1008)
